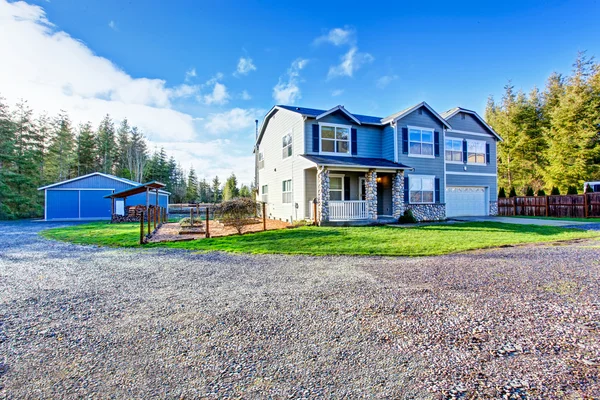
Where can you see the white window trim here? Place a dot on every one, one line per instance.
(484, 152)
(291, 135)
(290, 192)
(263, 193)
(343, 188)
(334, 153)
(261, 158)
(432, 177)
(461, 150)
(421, 128)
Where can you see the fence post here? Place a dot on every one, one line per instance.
(547, 207)
(264, 216)
(191, 216)
(514, 199)
(315, 211)
(154, 215)
(142, 227)
(585, 205)
(207, 222)
(148, 218)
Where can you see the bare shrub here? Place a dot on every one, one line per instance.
(238, 213)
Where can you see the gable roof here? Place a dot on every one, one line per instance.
(453, 111)
(408, 110)
(314, 113)
(340, 109)
(124, 180)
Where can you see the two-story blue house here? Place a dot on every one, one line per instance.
(361, 168)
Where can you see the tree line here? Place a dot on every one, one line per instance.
(39, 150)
(551, 137)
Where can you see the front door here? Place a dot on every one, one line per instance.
(379, 198)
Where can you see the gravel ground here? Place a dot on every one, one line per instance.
(521, 322)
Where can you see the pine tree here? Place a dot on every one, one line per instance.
(216, 190)
(529, 191)
(245, 191)
(513, 192)
(204, 191)
(122, 149)
(501, 193)
(191, 195)
(230, 190)
(541, 192)
(8, 202)
(86, 150)
(106, 146)
(137, 156)
(61, 154)
(572, 189)
(555, 191)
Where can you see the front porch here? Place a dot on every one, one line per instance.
(354, 196)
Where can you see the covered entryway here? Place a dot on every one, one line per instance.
(466, 201)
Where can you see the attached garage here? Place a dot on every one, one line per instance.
(84, 197)
(466, 201)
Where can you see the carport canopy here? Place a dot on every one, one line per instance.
(144, 187)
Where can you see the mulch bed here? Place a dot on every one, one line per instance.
(169, 232)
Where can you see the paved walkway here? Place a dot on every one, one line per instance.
(524, 221)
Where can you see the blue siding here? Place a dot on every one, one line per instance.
(140, 199)
(96, 182)
(94, 205)
(62, 204)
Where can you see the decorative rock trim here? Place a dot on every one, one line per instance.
(428, 212)
(371, 194)
(323, 195)
(398, 194)
(493, 208)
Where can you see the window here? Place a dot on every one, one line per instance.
(421, 189)
(335, 139)
(261, 160)
(475, 152)
(265, 193)
(287, 191)
(286, 146)
(336, 187)
(420, 142)
(454, 150)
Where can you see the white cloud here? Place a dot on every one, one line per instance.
(234, 120)
(385, 80)
(287, 90)
(350, 63)
(245, 66)
(112, 25)
(246, 96)
(337, 36)
(189, 74)
(54, 71)
(337, 92)
(218, 96)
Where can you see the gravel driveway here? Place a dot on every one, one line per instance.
(84, 321)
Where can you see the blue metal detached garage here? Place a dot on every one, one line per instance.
(82, 198)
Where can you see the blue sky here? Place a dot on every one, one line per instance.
(181, 61)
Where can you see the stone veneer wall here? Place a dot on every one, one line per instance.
(398, 194)
(371, 194)
(428, 212)
(493, 208)
(323, 195)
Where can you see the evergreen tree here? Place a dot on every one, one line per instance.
(86, 150)
(106, 146)
(230, 190)
(513, 192)
(501, 193)
(555, 191)
(529, 191)
(589, 189)
(8, 202)
(204, 191)
(122, 149)
(191, 195)
(137, 156)
(572, 190)
(245, 191)
(541, 192)
(61, 150)
(216, 190)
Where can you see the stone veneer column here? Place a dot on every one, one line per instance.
(323, 195)
(398, 194)
(371, 194)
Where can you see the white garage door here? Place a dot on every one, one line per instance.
(465, 201)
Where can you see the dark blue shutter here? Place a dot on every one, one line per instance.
(354, 141)
(464, 151)
(436, 143)
(406, 190)
(487, 153)
(315, 134)
(346, 188)
(437, 190)
(405, 140)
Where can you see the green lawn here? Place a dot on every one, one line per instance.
(390, 241)
(590, 220)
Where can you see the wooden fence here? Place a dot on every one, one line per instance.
(565, 206)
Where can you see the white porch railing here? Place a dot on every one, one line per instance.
(347, 210)
(343, 210)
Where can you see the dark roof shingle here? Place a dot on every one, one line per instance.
(354, 161)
